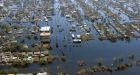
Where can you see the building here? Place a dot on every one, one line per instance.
(1, 3)
(45, 33)
(44, 73)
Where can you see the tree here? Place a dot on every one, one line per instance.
(100, 62)
(42, 61)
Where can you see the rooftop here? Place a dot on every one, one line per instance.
(45, 28)
(1, 4)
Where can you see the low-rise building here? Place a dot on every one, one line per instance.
(45, 33)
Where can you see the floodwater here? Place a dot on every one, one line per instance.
(89, 51)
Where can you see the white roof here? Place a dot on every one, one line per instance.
(78, 36)
(45, 34)
(14, 57)
(72, 35)
(29, 58)
(45, 18)
(1, 4)
(25, 74)
(45, 73)
(68, 15)
(45, 28)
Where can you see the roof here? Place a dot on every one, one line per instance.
(30, 53)
(25, 74)
(37, 53)
(45, 34)
(45, 28)
(45, 41)
(11, 74)
(45, 73)
(45, 52)
(1, 4)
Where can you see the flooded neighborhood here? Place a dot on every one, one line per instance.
(69, 37)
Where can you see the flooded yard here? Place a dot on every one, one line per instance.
(70, 37)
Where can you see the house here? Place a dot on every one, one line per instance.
(74, 26)
(45, 53)
(46, 29)
(78, 36)
(30, 58)
(46, 40)
(36, 53)
(20, 31)
(11, 74)
(30, 53)
(1, 4)
(46, 19)
(36, 59)
(68, 16)
(14, 58)
(25, 46)
(1, 57)
(25, 74)
(87, 29)
(45, 45)
(45, 33)
(8, 53)
(24, 53)
(76, 39)
(73, 36)
(43, 73)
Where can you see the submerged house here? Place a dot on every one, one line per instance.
(43, 73)
(76, 38)
(45, 33)
(1, 4)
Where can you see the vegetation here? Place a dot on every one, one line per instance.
(42, 61)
